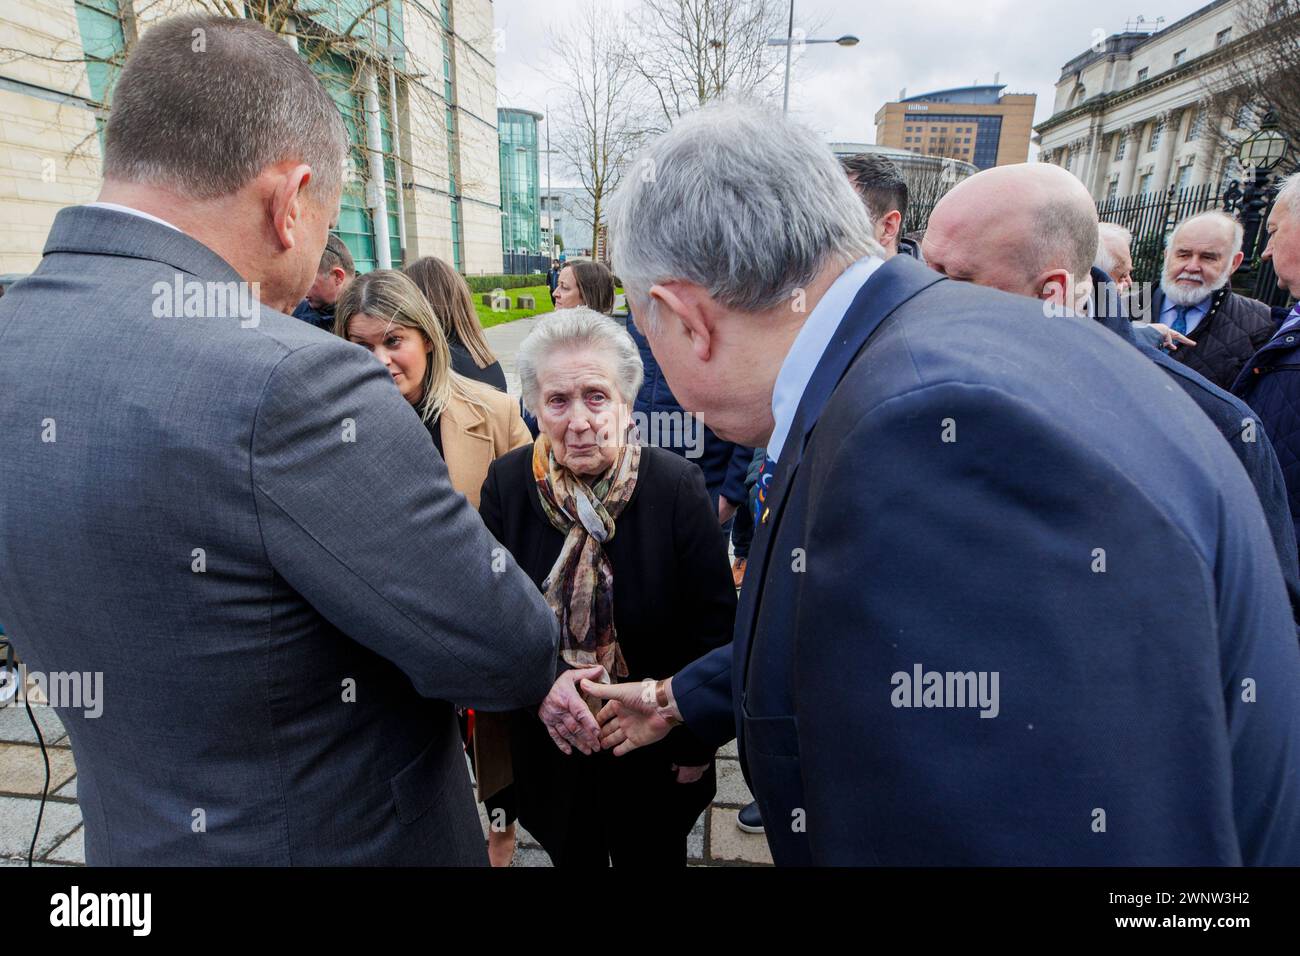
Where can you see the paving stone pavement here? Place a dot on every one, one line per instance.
(715, 840)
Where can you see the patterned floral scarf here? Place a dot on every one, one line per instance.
(580, 585)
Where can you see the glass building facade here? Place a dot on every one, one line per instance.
(521, 219)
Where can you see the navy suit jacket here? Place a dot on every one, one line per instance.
(974, 500)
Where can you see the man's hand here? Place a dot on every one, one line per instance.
(726, 509)
(566, 715)
(632, 718)
(1172, 339)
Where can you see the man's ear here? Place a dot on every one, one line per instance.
(889, 225)
(685, 308)
(1057, 287)
(287, 202)
(1236, 261)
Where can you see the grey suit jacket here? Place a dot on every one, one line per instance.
(242, 526)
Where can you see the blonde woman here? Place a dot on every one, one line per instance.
(472, 425)
(448, 294)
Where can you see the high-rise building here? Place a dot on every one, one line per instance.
(521, 214)
(1133, 115)
(438, 179)
(975, 124)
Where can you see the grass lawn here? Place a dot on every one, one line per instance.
(540, 293)
(488, 318)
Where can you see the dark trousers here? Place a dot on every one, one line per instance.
(598, 810)
(742, 529)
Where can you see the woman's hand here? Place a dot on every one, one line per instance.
(567, 717)
(689, 774)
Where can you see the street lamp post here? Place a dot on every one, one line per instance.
(788, 43)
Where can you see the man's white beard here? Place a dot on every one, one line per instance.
(1193, 295)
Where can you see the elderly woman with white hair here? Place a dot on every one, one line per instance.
(623, 540)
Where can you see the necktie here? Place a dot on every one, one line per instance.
(1180, 319)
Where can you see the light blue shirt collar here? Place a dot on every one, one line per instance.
(1290, 322)
(809, 346)
(1194, 313)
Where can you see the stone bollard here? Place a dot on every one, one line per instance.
(486, 298)
(527, 302)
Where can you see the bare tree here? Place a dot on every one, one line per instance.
(596, 131)
(691, 52)
(927, 182)
(1259, 73)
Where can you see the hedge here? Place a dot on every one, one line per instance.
(488, 283)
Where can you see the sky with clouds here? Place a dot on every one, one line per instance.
(922, 45)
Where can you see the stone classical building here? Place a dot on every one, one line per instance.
(436, 182)
(1132, 113)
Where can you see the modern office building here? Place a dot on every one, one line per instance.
(436, 181)
(1131, 113)
(975, 124)
(521, 210)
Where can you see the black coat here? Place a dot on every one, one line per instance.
(674, 600)
(462, 363)
(1235, 328)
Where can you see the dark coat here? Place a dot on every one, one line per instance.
(322, 320)
(462, 362)
(1234, 329)
(673, 601)
(724, 463)
(1118, 692)
(1235, 421)
(1270, 384)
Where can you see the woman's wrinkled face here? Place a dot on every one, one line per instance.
(567, 295)
(581, 411)
(402, 350)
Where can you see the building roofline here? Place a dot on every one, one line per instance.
(956, 89)
(521, 110)
(1116, 45)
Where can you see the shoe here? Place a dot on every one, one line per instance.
(749, 820)
(738, 572)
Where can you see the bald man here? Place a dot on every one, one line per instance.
(1031, 229)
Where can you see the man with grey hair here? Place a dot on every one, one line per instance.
(232, 516)
(956, 507)
(1114, 255)
(1194, 298)
(1269, 381)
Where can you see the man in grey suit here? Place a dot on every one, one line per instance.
(234, 517)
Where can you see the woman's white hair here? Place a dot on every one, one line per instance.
(579, 329)
(741, 201)
(1288, 194)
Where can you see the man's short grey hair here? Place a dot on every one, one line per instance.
(579, 329)
(1238, 232)
(1064, 235)
(205, 103)
(740, 200)
(1109, 233)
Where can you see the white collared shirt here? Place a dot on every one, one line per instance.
(809, 346)
(132, 212)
